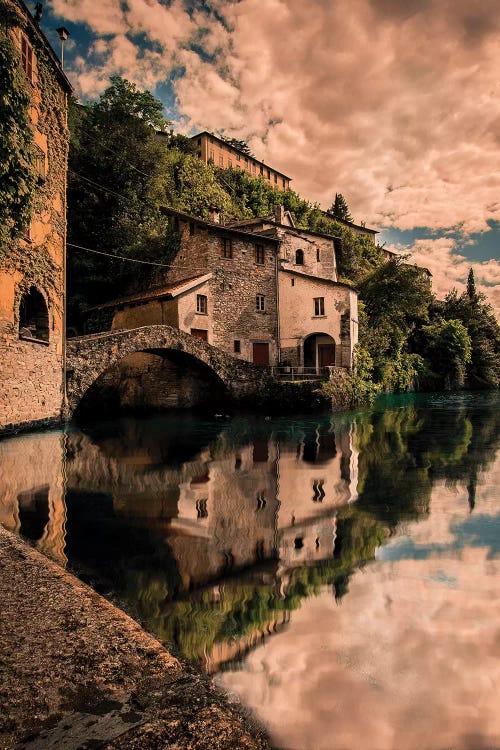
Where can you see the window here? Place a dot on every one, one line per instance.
(246, 159)
(284, 184)
(27, 55)
(33, 317)
(199, 141)
(260, 303)
(261, 169)
(317, 254)
(229, 162)
(221, 161)
(227, 247)
(268, 174)
(276, 178)
(192, 228)
(211, 155)
(237, 346)
(293, 282)
(40, 164)
(319, 306)
(259, 254)
(254, 168)
(238, 157)
(299, 257)
(199, 333)
(201, 304)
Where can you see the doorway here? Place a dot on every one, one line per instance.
(260, 353)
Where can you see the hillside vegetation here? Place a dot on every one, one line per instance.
(121, 172)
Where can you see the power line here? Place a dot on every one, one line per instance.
(130, 260)
(96, 184)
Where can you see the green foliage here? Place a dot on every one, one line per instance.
(123, 101)
(17, 174)
(477, 316)
(357, 388)
(239, 144)
(339, 208)
(396, 299)
(449, 349)
(471, 286)
(116, 187)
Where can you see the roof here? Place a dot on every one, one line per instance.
(163, 292)
(350, 223)
(222, 228)
(319, 280)
(271, 220)
(239, 151)
(63, 80)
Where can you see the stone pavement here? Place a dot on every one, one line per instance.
(76, 673)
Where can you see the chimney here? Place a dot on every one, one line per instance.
(214, 214)
(279, 214)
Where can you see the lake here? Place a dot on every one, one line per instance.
(337, 574)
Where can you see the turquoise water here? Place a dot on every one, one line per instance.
(337, 574)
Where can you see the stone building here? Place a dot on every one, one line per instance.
(219, 152)
(318, 315)
(261, 290)
(32, 278)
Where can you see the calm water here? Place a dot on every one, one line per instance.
(337, 574)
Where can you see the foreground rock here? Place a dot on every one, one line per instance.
(76, 672)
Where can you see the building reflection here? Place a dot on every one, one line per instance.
(212, 533)
(208, 509)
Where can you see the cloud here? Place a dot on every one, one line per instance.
(408, 661)
(450, 269)
(396, 105)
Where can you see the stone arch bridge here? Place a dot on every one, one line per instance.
(88, 357)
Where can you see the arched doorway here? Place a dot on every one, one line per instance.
(33, 316)
(319, 350)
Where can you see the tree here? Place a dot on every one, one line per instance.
(449, 349)
(239, 145)
(483, 370)
(339, 208)
(471, 286)
(116, 185)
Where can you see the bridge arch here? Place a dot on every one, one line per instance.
(90, 357)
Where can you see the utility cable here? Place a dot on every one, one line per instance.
(130, 260)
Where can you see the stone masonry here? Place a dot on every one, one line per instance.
(90, 356)
(31, 368)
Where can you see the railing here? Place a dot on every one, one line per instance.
(300, 373)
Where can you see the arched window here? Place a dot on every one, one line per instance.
(299, 257)
(33, 316)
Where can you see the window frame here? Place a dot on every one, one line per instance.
(227, 248)
(319, 307)
(299, 253)
(237, 346)
(201, 304)
(260, 254)
(260, 303)
(27, 58)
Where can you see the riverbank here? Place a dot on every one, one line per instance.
(77, 672)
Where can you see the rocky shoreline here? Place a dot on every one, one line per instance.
(78, 673)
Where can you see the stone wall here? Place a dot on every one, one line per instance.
(90, 357)
(31, 373)
(234, 286)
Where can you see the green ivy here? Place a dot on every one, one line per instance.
(17, 173)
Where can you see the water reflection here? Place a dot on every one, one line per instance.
(215, 533)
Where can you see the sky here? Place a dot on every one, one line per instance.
(394, 104)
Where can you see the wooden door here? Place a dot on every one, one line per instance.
(261, 354)
(326, 354)
(199, 333)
